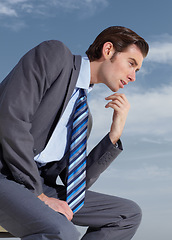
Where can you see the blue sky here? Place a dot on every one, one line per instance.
(143, 172)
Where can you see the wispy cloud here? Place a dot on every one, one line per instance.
(13, 12)
(90, 5)
(76, 4)
(161, 50)
(7, 10)
(151, 112)
(17, 8)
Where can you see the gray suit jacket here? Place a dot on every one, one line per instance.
(32, 99)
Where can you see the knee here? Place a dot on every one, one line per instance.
(132, 213)
(136, 210)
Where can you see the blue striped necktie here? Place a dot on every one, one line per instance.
(76, 180)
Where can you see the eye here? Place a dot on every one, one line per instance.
(131, 64)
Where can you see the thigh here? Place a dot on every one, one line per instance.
(22, 213)
(105, 210)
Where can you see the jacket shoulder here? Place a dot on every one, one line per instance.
(53, 47)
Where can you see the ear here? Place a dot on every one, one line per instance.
(108, 50)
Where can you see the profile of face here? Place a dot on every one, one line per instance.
(117, 72)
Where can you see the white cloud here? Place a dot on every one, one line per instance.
(13, 2)
(11, 8)
(151, 112)
(77, 4)
(83, 9)
(161, 50)
(161, 53)
(7, 11)
(18, 7)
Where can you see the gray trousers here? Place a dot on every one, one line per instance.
(27, 217)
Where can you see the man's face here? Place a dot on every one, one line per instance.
(118, 72)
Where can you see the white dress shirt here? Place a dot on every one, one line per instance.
(59, 142)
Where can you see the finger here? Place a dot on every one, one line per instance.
(61, 207)
(68, 211)
(116, 101)
(115, 106)
(116, 96)
(69, 216)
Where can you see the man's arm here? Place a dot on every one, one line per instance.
(120, 105)
(21, 94)
(110, 146)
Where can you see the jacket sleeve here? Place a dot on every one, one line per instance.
(20, 95)
(99, 159)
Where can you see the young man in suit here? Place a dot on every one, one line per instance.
(38, 101)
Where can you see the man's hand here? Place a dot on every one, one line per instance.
(121, 107)
(57, 205)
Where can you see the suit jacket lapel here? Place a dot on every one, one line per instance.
(72, 83)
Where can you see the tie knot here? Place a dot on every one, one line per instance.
(82, 97)
(82, 93)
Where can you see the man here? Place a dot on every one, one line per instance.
(38, 108)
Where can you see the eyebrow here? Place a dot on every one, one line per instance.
(135, 62)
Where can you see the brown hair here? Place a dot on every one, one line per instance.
(120, 37)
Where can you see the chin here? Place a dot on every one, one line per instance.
(115, 89)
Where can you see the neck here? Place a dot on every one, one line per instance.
(94, 68)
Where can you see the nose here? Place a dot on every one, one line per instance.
(132, 76)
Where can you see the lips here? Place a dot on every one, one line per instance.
(123, 82)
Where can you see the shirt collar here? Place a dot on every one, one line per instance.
(84, 75)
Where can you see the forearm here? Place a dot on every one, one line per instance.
(100, 158)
